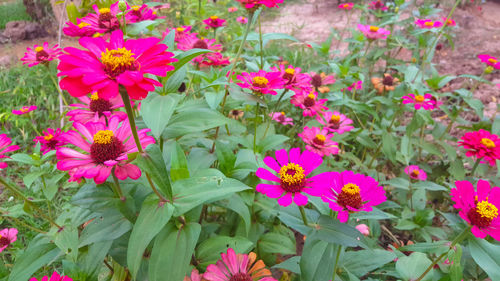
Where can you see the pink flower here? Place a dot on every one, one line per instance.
(55, 277)
(319, 80)
(482, 145)
(291, 176)
(335, 122)
(347, 192)
(211, 59)
(195, 276)
(232, 9)
(346, 6)
(182, 33)
(489, 60)
(364, 229)
(105, 65)
(294, 80)
(242, 20)
(449, 22)
(426, 101)
(105, 20)
(355, 86)
(41, 54)
(141, 13)
(261, 82)
(377, 5)
(428, 24)
(414, 172)
(103, 148)
(309, 103)
(24, 110)
(96, 109)
(50, 140)
(232, 267)
(5, 146)
(214, 22)
(478, 207)
(81, 29)
(255, 4)
(319, 141)
(7, 237)
(281, 118)
(208, 59)
(373, 32)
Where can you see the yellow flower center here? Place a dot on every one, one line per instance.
(97, 34)
(350, 189)
(120, 57)
(346, 5)
(320, 138)
(419, 98)
(103, 137)
(104, 10)
(291, 174)
(374, 28)
(311, 96)
(135, 8)
(290, 71)
(282, 113)
(260, 81)
(38, 49)
(94, 96)
(180, 29)
(492, 60)
(24, 109)
(488, 143)
(487, 210)
(335, 118)
(83, 24)
(214, 17)
(415, 173)
(48, 137)
(429, 23)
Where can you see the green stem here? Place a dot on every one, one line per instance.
(336, 263)
(410, 188)
(257, 107)
(15, 220)
(131, 119)
(261, 43)
(421, 141)
(303, 214)
(475, 167)
(117, 187)
(396, 114)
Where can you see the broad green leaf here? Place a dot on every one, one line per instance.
(21, 158)
(72, 12)
(174, 81)
(277, 243)
(398, 183)
(67, 241)
(92, 261)
(186, 122)
(411, 267)
(361, 262)
(236, 204)
(107, 227)
(291, 217)
(389, 146)
(178, 164)
(486, 255)
(270, 142)
(39, 253)
(291, 264)
(208, 251)
(333, 231)
(184, 58)
(429, 186)
(154, 165)
(433, 248)
(317, 260)
(156, 111)
(226, 157)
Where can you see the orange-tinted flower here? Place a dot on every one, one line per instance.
(388, 83)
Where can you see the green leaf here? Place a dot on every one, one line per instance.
(411, 267)
(72, 12)
(156, 111)
(317, 260)
(154, 164)
(277, 243)
(389, 147)
(271, 142)
(291, 264)
(174, 82)
(475, 104)
(226, 157)
(398, 183)
(486, 255)
(22, 158)
(208, 252)
(178, 164)
(333, 231)
(361, 262)
(67, 241)
(236, 204)
(184, 58)
(92, 261)
(40, 252)
(429, 186)
(194, 121)
(169, 39)
(109, 226)
(145, 26)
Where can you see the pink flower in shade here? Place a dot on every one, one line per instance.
(489, 60)
(103, 148)
(255, 4)
(208, 59)
(211, 59)
(55, 277)
(195, 276)
(242, 20)
(478, 207)
(141, 13)
(41, 54)
(261, 82)
(482, 145)
(319, 141)
(320, 80)
(105, 20)
(236, 267)
(182, 33)
(50, 140)
(232, 9)
(355, 86)
(373, 32)
(96, 109)
(7, 237)
(364, 229)
(414, 172)
(346, 6)
(290, 176)
(426, 101)
(449, 22)
(309, 103)
(428, 24)
(81, 29)
(335, 122)
(294, 80)
(5, 146)
(214, 22)
(24, 110)
(347, 192)
(377, 5)
(105, 65)
(281, 118)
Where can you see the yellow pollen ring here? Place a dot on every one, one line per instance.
(415, 172)
(283, 113)
(487, 210)
(180, 29)
(135, 8)
(311, 96)
(351, 189)
(24, 109)
(346, 5)
(429, 23)
(214, 17)
(38, 49)
(374, 28)
(48, 137)
(335, 118)
(83, 24)
(320, 137)
(488, 143)
(297, 177)
(103, 137)
(104, 11)
(419, 98)
(117, 58)
(492, 60)
(94, 96)
(259, 80)
(290, 71)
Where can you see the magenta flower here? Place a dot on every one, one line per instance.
(478, 208)
(208, 59)
(319, 80)
(482, 145)
(346, 6)
(24, 110)
(426, 101)
(335, 122)
(211, 59)
(294, 80)
(319, 141)
(141, 13)
(291, 176)
(281, 118)
(355, 86)
(242, 20)
(7, 237)
(181, 33)
(194, 276)
(103, 148)
(347, 192)
(309, 103)
(41, 54)
(5, 146)
(374, 32)
(105, 20)
(414, 172)
(449, 22)
(377, 5)
(261, 82)
(214, 22)
(81, 29)
(55, 277)
(232, 9)
(489, 60)
(96, 109)
(428, 24)
(50, 140)
(255, 4)
(105, 65)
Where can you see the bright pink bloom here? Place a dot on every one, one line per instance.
(335, 122)
(309, 103)
(255, 4)
(478, 207)
(195, 276)
(41, 54)
(414, 172)
(482, 145)
(489, 60)
(96, 109)
(55, 277)
(449, 22)
(427, 23)
(291, 176)
(105, 65)
(242, 20)
(346, 6)
(294, 80)
(211, 59)
(426, 101)
(348, 192)
(355, 86)
(141, 13)
(364, 229)
(103, 148)
(7, 237)
(214, 22)
(319, 141)
(236, 267)
(281, 118)
(373, 32)
(319, 80)
(261, 82)
(377, 5)
(232, 9)
(81, 29)
(50, 140)
(105, 20)
(5, 146)
(182, 33)
(24, 110)
(208, 59)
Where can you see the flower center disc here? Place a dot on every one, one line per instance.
(292, 177)
(118, 61)
(388, 80)
(349, 196)
(483, 214)
(41, 54)
(105, 147)
(316, 81)
(99, 105)
(200, 44)
(4, 241)
(415, 173)
(492, 60)
(105, 14)
(374, 28)
(429, 23)
(310, 100)
(488, 143)
(319, 139)
(260, 82)
(241, 277)
(419, 98)
(289, 73)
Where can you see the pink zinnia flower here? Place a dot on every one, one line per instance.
(319, 80)
(373, 32)
(195, 276)
(319, 141)
(427, 23)
(482, 145)
(232, 267)
(364, 229)
(347, 192)
(96, 109)
(5, 146)
(414, 172)
(291, 176)
(214, 22)
(281, 118)
(489, 60)
(208, 59)
(7, 237)
(211, 59)
(426, 101)
(181, 33)
(81, 29)
(261, 82)
(105, 20)
(478, 207)
(309, 103)
(242, 20)
(346, 6)
(449, 22)
(141, 13)
(255, 4)
(377, 5)
(24, 110)
(105, 65)
(103, 148)
(355, 86)
(55, 277)
(41, 54)
(335, 122)
(50, 140)
(294, 80)
(232, 9)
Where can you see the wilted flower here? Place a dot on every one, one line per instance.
(319, 80)
(41, 54)
(388, 83)
(236, 114)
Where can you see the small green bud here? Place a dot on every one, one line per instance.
(122, 5)
(489, 69)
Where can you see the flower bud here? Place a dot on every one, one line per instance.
(489, 69)
(364, 229)
(177, 15)
(122, 5)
